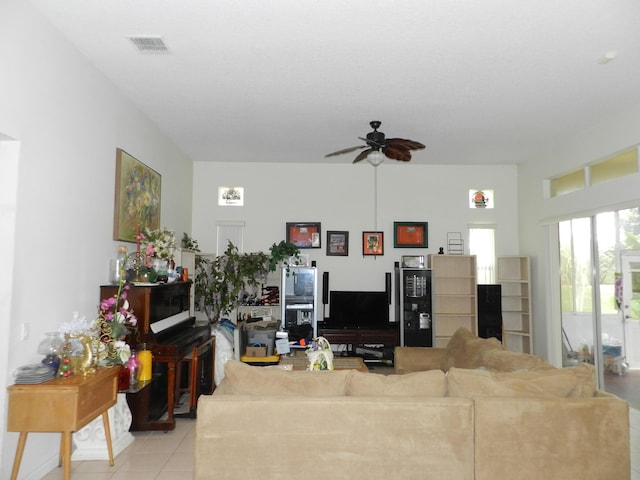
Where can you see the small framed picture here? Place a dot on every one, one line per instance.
(410, 234)
(337, 243)
(372, 243)
(304, 235)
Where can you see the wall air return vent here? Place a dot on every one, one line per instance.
(148, 43)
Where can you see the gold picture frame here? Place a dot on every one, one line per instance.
(137, 197)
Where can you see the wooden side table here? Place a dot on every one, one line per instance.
(61, 405)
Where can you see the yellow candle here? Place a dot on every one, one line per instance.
(145, 359)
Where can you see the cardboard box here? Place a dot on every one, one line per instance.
(256, 352)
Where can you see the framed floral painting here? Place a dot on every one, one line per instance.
(137, 198)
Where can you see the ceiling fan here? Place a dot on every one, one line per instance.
(393, 148)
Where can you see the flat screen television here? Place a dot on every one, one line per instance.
(364, 310)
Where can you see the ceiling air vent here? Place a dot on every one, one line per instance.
(148, 43)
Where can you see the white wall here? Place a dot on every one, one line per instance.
(538, 213)
(68, 121)
(341, 197)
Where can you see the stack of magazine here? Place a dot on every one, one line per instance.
(34, 373)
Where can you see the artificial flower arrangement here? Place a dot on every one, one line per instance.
(157, 243)
(115, 321)
(88, 344)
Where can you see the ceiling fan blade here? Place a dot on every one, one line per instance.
(408, 144)
(397, 152)
(372, 142)
(346, 150)
(362, 155)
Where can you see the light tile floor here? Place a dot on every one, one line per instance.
(152, 456)
(169, 456)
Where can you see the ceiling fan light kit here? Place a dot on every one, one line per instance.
(381, 147)
(375, 158)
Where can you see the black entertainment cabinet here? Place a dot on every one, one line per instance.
(362, 340)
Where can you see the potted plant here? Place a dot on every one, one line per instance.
(220, 282)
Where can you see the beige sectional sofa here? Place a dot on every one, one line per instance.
(443, 416)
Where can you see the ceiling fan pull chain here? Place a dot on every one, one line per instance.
(375, 199)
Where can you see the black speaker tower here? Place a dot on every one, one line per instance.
(387, 286)
(325, 288)
(490, 311)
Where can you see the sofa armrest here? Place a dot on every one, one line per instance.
(417, 359)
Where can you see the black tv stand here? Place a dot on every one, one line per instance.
(362, 340)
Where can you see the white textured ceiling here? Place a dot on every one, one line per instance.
(477, 81)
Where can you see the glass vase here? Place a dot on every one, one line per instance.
(161, 266)
(134, 368)
(124, 378)
(50, 347)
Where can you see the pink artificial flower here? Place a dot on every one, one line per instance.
(107, 304)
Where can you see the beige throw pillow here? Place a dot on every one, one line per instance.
(243, 379)
(464, 350)
(506, 361)
(423, 384)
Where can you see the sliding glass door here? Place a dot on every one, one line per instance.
(576, 291)
(600, 293)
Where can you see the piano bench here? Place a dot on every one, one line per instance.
(198, 367)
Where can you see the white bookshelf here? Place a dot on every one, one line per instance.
(455, 302)
(514, 274)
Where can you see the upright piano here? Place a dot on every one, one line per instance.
(168, 329)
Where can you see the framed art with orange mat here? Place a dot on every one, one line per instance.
(410, 234)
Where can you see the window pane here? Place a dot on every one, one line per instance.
(576, 292)
(629, 232)
(229, 232)
(482, 245)
(575, 265)
(567, 183)
(617, 166)
(606, 235)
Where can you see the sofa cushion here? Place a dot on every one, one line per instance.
(243, 379)
(584, 373)
(482, 383)
(417, 359)
(545, 382)
(464, 350)
(423, 384)
(506, 361)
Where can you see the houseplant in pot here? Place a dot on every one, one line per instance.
(220, 282)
